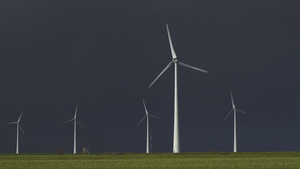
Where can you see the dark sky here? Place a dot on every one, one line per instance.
(103, 54)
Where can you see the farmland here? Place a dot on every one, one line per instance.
(218, 160)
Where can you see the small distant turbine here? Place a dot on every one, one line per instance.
(175, 61)
(147, 115)
(18, 127)
(75, 123)
(234, 109)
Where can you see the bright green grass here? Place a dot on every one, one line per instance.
(266, 160)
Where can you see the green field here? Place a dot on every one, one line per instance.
(253, 160)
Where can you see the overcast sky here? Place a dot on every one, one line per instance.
(103, 55)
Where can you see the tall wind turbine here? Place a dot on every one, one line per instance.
(147, 115)
(18, 127)
(234, 109)
(75, 123)
(176, 143)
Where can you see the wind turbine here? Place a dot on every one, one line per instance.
(75, 123)
(234, 109)
(18, 127)
(147, 115)
(176, 143)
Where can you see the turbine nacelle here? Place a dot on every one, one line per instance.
(175, 60)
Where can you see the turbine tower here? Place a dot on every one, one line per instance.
(75, 124)
(176, 140)
(234, 109)
(147, 115)
(18, 127)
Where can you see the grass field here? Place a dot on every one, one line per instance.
(253, 160)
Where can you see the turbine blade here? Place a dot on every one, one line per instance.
(192, 67)
(11, 123)
(75, 111)
(67, 121)
(232, 99)
(161, 73)
(228, 114)
(141, 120)
(171, 44)
(154, 116)
(146, 111)
(20, 116)
(80, 124)
(21, 129)
(241, 111)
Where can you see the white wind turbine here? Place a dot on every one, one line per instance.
(234, 109)
(75, 123)
(176, 143)
(18, 127)
(147, 115)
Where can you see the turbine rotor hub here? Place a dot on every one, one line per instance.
(175, 60)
